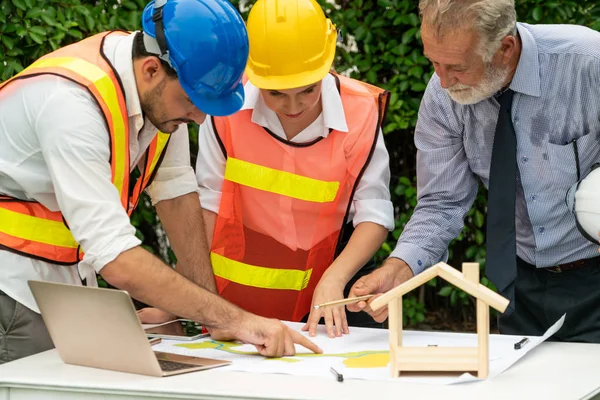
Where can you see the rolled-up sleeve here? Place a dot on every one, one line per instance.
(446, 186)
(175, 176)
(75, 144)
(210, 167)
(371, 202)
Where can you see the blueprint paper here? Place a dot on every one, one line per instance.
(363, 354)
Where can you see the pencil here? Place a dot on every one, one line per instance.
(343, 301)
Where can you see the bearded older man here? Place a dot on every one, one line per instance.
(516, 106)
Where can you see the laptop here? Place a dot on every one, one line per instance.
(95, 327)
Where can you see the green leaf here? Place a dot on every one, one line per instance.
(7, 73)
(130, 5)
(17, 67)
(445, 291)
(537, 13)
(39, 39)
(453, 298)
(409, 35)
(29, 3)
(8, 42)
(418, 87)
(15, 52)
(360, 32)
(414, 19)
(479, 237)
(48, 19)
(101, 282)
(82, 10)
(478, 218)
(38, 30)
(20, 4)
(90, 22)
(8, 28)
(35, 12)
(76, 34)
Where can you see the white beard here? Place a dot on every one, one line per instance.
(493, 81)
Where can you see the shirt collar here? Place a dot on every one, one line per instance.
(119, 51)
(527, 75)
(333, 109)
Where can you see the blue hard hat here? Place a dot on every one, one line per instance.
(206, 43)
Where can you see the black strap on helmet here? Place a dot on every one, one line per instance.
(157, 18)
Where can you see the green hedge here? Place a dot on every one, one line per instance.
(381, 46)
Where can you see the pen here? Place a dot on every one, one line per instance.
(338, 376)
(343, 301)
(521, 343)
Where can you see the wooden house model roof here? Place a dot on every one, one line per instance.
(452, 276)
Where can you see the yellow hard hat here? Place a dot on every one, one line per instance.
(292, 44)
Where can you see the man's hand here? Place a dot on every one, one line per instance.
(389, 275)
(150, 315)
(329, 289)
(270, 337)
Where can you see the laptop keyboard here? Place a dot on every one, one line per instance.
(168, 366)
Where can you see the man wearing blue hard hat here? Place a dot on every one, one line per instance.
(84, 131)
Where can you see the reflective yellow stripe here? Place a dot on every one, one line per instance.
(107, 90)
(266, 278)
(36, 229)
(280, 182)
(161, 142)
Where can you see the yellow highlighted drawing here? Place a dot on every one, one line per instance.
(289, 360)
(353, 359)
(373, 360)
(218, 345)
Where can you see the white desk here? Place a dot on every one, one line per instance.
(551, 371)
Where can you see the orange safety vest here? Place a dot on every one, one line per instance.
(284, 204)
(27, 227)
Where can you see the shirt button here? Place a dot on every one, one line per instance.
(524, 159)
(542, 230)
(533, 197)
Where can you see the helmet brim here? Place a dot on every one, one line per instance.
(283, 82)
(225, 104)
(274, 82)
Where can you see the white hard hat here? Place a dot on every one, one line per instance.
(583, 199)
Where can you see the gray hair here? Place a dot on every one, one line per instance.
(492, 19)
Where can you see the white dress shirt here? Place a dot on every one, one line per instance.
(55, 150)
(371, 201)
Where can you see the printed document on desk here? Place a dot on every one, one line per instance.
(363, 354)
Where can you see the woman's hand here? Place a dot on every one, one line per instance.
(329, 289)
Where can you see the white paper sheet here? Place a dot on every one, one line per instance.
(363, 354)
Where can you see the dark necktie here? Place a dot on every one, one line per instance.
(501, 260)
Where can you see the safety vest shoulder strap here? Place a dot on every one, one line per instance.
(84, 63)
(349, 86)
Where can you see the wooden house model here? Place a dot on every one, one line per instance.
(467, 359)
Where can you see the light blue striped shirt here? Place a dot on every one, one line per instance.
(556, 101)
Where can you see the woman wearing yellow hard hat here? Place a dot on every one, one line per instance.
(294, 186)
(300, 171)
